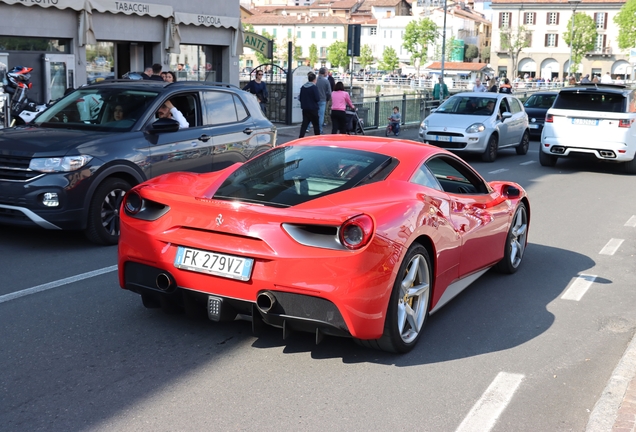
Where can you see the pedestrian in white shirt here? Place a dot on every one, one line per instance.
(607, 79)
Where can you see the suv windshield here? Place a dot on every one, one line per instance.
(469, 105)
(292, 175)
(591, 101)
(540, 101)
(99, 109)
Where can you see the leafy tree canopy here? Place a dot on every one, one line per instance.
(337, 55)
(583, 40)
(366, 56)
(417, 36)
(390, 60)
(626, 21)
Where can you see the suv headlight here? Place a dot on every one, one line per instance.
(475, 128)
(59, 164)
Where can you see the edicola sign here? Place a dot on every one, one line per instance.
(259, 43)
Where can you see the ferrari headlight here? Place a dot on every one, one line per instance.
(475, 128)
(59, 164)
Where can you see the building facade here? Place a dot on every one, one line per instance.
(71, 42)
(548, 55)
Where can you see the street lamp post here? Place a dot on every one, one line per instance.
(444, 44)
(574, 4)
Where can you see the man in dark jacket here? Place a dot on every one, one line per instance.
(309, 98)
(156, 72)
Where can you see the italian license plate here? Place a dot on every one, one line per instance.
(229, 266)
(584, 121)
(533, 126)
(443, 138)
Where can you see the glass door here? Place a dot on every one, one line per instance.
(59, 70)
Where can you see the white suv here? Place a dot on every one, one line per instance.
(593, 119)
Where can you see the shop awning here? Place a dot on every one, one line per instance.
(207, 20)
(131, 8)
(77, 5)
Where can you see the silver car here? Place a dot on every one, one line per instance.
(478, 123)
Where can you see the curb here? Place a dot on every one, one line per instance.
(607, 411)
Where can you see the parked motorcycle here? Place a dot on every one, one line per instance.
(22, 109)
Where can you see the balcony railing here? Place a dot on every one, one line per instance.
(602, 51)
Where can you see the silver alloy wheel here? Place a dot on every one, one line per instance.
(413, 302)
(519, 232)
(110, 211)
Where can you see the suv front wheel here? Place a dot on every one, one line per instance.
(103, 213)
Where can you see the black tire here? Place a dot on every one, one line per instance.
(403, 340)
(630, 167)
(491, 149)
(547, 160)
(516, 242)
(524, 145)
(103, 213)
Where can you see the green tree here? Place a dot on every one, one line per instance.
(626, 21)
(472, 52)
(417, 36)
(313, 55)
(513, 41)
(485, 54)
(337, 55)
(390, 60)
(366, 56)
(583, 40)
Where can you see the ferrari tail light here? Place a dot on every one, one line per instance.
(549, 118)
(356, 232)
(625, 123)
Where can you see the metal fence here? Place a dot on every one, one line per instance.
(375, 111)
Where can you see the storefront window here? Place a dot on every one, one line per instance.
(100, 61)
(197, 63)
(34, 44)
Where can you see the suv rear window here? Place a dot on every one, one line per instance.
(591, 101)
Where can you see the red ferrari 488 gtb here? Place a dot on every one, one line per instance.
(340, 235)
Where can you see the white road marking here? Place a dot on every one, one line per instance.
(484, 414)
(631, 222)
(611, 247)
(579, 287)
(528, 163)
(55, 284)
(498, 171)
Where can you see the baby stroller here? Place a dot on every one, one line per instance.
(355, 125)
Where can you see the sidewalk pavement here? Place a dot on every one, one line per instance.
(287, 133)
(615, 410)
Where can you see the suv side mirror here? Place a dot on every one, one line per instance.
(163, 125)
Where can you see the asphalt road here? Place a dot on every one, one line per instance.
(527, 352)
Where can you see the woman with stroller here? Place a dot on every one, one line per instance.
(339, 101)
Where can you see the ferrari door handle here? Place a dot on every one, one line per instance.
(205, 138)
(247, 131)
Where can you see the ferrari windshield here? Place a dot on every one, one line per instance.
(469, 105)
(99, 109)
(292, 175)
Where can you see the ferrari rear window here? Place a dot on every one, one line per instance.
(591, 101)
(288, 176)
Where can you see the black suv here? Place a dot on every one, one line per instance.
(70, 168)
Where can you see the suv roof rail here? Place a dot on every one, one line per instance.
(207, 83)
(596, 85)
(125, 80)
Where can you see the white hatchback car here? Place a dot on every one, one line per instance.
(478, 123)
(594, 120)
